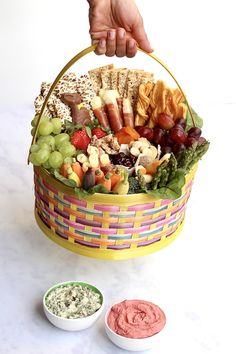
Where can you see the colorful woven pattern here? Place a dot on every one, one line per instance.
(107, 226)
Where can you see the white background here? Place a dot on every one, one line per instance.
(193, 279)
(195, 38)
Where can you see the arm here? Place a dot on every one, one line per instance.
(117, 27)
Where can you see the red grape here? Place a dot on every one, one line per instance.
(195, 132)
(177, 148)
(165, 121)
(177, 134)
(158, 136)
(167, 140)
(181, 121)
(165, 150)
(145, 132)
(201, 140)
(191, 141)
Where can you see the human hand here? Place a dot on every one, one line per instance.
(117, 27)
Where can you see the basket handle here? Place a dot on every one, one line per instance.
(81, 55)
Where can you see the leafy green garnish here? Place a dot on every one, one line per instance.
(173, 188)
(66, 181)
(82, 193)
(197, 120)
(70, 127)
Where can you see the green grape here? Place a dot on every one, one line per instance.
(34, 148)
(56, 122)
(32, 131)
(42, 155)
(33, 159)
(45, 128)
(45, 146)
(67, 150)
(47, 165)
(55, 159)
(61, 138)
(35, 119)
(49, 139)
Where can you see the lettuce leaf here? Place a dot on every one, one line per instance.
(66, 181)
(173, 189)
(198, 120)
(82, 193)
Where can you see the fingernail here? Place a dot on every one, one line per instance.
(111, 35)
(102, 43)
(131, 44)
(121, 33)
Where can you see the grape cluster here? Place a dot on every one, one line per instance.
(123, 159)
(52, 147)
(171, 135)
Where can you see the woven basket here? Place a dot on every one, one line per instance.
(106, 226)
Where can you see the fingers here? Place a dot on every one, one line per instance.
(121, 42)
(140, 36)
(131, 48)
(111, 43)
(116, 42)
(101, 47)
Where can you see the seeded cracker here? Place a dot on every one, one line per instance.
(105, 76)
(122, 78)
(95, 76)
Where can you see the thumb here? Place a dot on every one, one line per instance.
(140, 36)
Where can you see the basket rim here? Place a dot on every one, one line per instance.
(101, 197)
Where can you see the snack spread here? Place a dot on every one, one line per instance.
(117, 131)
(136, 319)
(73, 301)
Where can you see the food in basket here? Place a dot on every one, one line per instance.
(117, 131)
(136, 319)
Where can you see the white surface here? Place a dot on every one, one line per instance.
(192, 279)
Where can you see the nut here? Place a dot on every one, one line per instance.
(135, 151)
(104, 160)
(85, 166)
(92, 150)
(82, 158)
(153, 150)
(93, 160)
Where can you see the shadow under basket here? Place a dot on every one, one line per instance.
(107, 226)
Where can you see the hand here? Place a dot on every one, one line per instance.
(117, 27)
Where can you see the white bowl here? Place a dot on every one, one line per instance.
(132, 344)
(77, 324)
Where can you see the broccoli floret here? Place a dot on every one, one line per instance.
(133, 185)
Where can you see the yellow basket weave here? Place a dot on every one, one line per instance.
(106, 226)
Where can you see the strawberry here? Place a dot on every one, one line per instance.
(99, 132)
(80, 139)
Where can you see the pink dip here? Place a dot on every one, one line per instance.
(136, 319)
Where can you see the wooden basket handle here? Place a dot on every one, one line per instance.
(73, 61)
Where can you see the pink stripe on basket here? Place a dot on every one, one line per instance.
(79, 202)
(74, 224)
(50, 187)
(105, 231)
(106, 207)
(166, 201)
(141, 207)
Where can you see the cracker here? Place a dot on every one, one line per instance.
(105, 77)
(122, 79)
(95, 76)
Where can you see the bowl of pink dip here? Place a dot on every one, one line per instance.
(134, 324)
